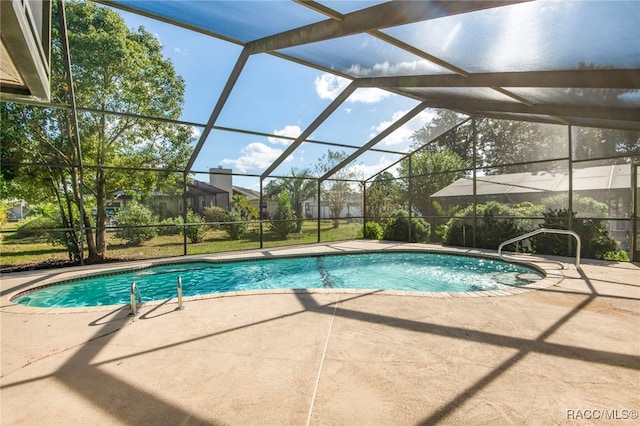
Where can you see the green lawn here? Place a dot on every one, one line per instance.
(16, 252)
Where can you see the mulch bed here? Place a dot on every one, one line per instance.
(54, 264)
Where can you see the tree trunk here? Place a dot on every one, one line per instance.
(91, 245)
(101, 216)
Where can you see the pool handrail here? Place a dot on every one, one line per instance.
(180, 307)
(545, 231)
(135, 292)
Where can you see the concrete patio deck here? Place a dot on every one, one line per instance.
(565, 352)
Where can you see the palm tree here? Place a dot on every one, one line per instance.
(301, 186)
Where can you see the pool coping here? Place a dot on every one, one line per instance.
(553, 276)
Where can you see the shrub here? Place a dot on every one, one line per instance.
(196, 228)
(215, 214)
(491, 230)
(617, 255)
(4, 215)
(284, 220)
(39, 220)
(373, 231)
(36, 226)
(171, 226)
(593, 233)
(135, 220)
(234, 225)
(397, 228)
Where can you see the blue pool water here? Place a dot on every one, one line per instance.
(377, 271)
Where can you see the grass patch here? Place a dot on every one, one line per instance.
(18, 252)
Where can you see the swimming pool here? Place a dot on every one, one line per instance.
(405, 271)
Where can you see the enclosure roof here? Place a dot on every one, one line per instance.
(571, 62)
(566, 62)
(602, 178)
(554, 68)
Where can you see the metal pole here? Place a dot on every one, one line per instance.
(570, 200)
(634, 247)
(319, 208)
(74, 118)
(410, 189)
(474, 137)
(364, 208)
(184, 213)
(261, 212)
(180, 307)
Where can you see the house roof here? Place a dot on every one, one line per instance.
(204, 188)
(584, 179)
(249, 193)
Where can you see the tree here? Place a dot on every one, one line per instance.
(284, 219)
(337, 191)
(434, 135)
(430, 172)
(592, 143)
(301, 186)
(114, 69)
(384, 195)
(504, 142)
(497, 142)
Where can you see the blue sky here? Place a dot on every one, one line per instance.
(277, 97)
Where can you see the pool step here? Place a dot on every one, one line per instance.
(516, 278)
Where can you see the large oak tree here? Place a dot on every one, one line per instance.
(114, 68)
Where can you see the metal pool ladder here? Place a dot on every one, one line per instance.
(180, 307)
(134, 293)
(544, 231)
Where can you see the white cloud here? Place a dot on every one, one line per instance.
(181, 51)
(196, 132)
(368, 96)
(632, 97)
(329, 86)
(368, 170)
(403, 134)
(292, 131)
(417, 67)
(256, 155)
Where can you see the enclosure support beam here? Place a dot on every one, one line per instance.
(319, 208)
(184, 211)
(410, 195)
(474, 137)
(570, 175)
(364, 208)
(577, 79)
(261, 212)
(635, 215)
(383, 15)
